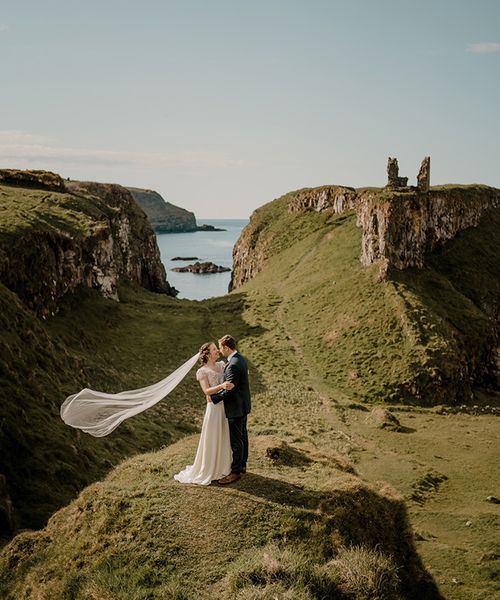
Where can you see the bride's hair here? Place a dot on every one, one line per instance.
(204, 352)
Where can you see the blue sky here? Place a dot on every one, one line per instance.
(224, 105)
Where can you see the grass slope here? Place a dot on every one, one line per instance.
(139, 534)
(418, 337)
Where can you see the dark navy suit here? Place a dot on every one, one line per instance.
(237, 405)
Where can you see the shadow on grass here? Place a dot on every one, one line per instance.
(403, 429)
(281, 492)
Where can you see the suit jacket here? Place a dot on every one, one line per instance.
(237, 402)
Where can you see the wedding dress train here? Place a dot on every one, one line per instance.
(213, 457)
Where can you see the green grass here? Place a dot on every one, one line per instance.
(24, 210)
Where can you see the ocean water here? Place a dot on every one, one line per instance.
(212, 246)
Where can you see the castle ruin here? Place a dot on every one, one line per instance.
(394, 181)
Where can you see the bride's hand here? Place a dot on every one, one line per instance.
(227, 385)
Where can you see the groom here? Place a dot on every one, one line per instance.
(237, 405)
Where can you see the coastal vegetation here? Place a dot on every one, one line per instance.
(360, 485)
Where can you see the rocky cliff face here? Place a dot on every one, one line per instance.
(163, 216)
(333, 198)
(248, 256)
(58, 235)
(398, 228)
(252, 248)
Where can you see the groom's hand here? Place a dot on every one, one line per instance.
(218, 397)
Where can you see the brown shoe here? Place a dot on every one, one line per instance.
(231, 478)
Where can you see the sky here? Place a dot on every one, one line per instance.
(224, 105)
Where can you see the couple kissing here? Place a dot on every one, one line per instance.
(222, 452)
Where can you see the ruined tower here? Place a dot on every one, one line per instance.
(394, 181)
(424, 175)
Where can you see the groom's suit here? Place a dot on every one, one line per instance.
(237, 405)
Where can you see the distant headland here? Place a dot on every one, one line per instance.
(166, 217)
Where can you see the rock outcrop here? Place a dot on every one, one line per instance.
(400, 229)
(163, 216)
(249, 255)
(206, 227)
(250, 252)
(201, 268)
(60, 235)
(335, 198)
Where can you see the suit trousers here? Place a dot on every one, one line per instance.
(239, 442)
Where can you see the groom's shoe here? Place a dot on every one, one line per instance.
(231, 478)
(243, 470)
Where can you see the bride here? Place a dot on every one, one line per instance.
(213, 457)
(100, 413)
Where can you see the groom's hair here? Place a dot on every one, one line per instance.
(228, 341)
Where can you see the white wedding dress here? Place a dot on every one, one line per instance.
(213, 457)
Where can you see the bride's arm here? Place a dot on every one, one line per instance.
(215, 388)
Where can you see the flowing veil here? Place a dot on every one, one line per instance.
(99, 413)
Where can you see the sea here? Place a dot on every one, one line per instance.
(207, 246)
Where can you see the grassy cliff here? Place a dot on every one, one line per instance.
(163, 216)
(424, 336)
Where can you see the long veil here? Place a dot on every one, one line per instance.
(99, 413)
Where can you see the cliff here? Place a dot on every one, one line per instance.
(252, 249)
(398, 227)
(402, 228)
(58, 235)
(163, 216)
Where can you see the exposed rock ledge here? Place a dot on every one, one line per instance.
(59, 235)
(401, 228)
(334, 198)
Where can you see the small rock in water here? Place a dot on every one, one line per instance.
(201, 268)
(468, 523)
